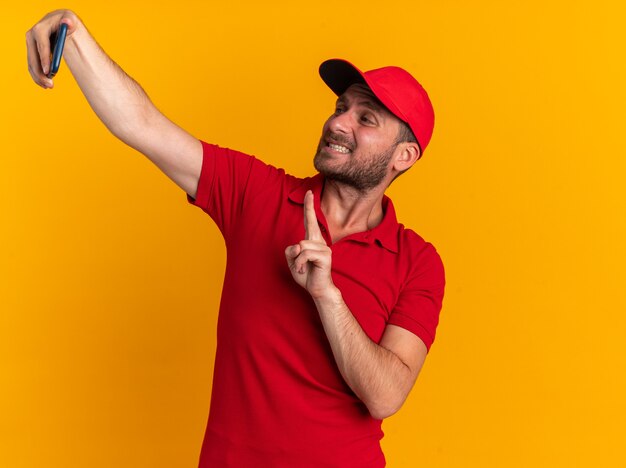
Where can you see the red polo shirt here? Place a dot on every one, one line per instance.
(278, 398)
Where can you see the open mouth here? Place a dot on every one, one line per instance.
(338, 148)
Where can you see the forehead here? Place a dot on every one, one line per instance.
(361, 94)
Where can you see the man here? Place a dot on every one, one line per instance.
(329, 306)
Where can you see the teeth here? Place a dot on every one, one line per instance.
(341, 149)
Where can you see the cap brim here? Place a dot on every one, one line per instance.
(339, 75)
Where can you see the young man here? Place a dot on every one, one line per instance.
(329, 305)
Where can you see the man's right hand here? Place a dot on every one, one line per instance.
(117, 99)
(38, 43)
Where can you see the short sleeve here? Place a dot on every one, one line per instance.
(421, 296)
(228, 179)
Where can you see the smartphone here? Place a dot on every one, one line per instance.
(57, 41)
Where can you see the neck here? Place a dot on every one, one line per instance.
(348, 211)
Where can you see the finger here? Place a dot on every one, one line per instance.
(312, 251)
(292, 252)
(313, 245)
(34, 62)
(316, 258)
(42, 38)
(71, 27)
(311, 227)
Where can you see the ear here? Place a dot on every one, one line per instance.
(408, 155)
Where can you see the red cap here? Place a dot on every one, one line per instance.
(396, 89)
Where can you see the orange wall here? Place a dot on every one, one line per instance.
(110, 282)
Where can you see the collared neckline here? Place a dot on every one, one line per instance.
(386, 233)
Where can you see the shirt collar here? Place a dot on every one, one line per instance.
(386, 233)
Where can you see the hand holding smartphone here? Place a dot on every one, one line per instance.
(57, 41)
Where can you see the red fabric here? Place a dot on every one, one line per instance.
(278, 398)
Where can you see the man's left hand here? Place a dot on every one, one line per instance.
(310, 259)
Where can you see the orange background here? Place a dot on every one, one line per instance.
(110, 282)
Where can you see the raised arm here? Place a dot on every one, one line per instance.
(117, 99)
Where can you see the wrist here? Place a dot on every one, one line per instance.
(330, 296)
(75, 43)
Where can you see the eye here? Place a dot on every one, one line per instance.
(368, 119)
(339, 110)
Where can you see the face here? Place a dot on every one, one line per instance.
(358, 140)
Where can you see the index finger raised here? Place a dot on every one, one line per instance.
(311, 228)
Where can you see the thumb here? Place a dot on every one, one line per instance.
(292, 252)
(71, 24)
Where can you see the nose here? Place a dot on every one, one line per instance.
(340, 123)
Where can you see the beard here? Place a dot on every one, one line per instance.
(362, 173)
